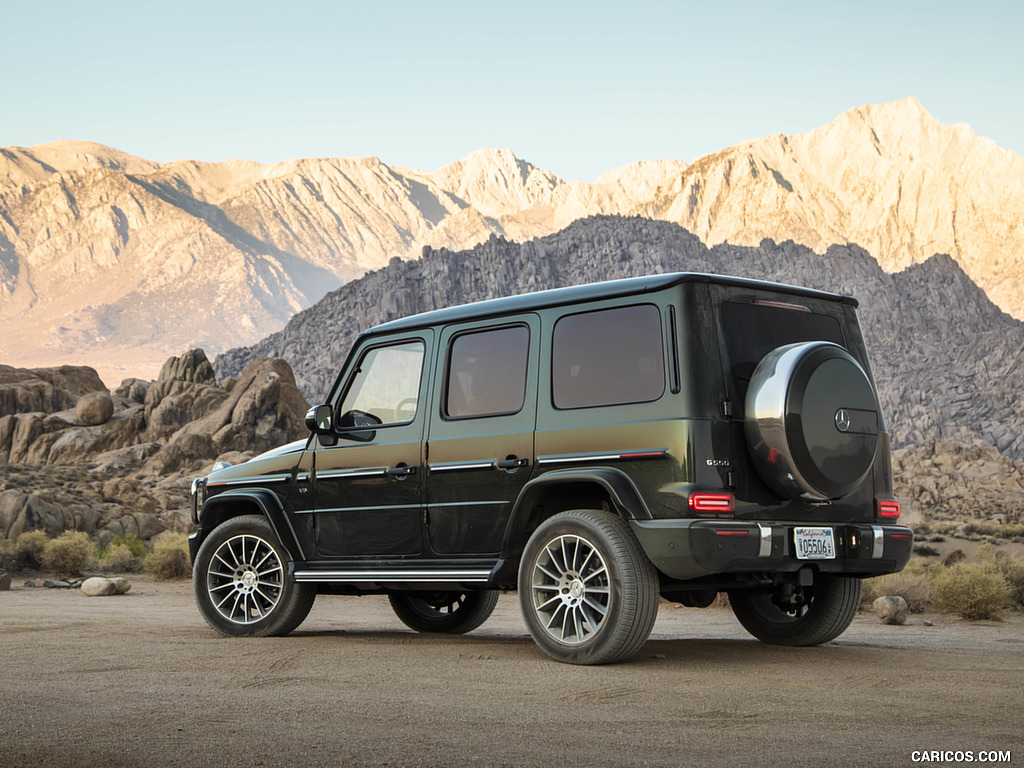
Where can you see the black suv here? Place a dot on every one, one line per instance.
(593, 447)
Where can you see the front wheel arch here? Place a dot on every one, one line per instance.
(242, 583)
(248, 501)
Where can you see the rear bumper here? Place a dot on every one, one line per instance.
(690, 549)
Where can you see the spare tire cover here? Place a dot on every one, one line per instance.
(812, 421)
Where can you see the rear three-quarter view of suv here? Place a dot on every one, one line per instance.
(594, 448)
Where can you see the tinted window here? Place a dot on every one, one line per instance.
(754, 330)
(608, 357)
(487, 373)
(387, 383)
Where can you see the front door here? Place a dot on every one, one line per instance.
(480, 440)
(369, 486)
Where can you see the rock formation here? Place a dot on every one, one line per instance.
(114, 465)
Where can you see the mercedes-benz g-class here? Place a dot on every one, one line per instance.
(594, 447)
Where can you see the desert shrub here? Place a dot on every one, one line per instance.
(924, 550)
(971, 590)
(134, 544)
(28, 549)
(956, 556)
(912, 584)
(7, 556)
(169, 559)
(120, 558)
(1011, 568)
(999, 530)
(67, 554)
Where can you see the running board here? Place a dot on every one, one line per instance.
(396, 575)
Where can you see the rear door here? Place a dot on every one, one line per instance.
(480, 437)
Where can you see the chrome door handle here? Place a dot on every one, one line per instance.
(512, 463)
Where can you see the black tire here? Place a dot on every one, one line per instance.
(450, 613)
(824, 613)
(241, 583)
(588, 593)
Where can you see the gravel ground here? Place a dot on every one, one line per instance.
(140, 680)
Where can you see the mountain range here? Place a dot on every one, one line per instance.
(117, 261)
(948, 362)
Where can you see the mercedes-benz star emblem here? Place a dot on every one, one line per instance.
(842, 420)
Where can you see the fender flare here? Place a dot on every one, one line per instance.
(267, 504)
(625, 498)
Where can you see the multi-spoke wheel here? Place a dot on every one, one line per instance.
(795, 615)
(452, 613)
(588, 593)
(240, 581)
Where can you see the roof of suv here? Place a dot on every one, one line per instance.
(590, 292)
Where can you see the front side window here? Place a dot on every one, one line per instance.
(387, 384)
(487, 373)
(608, 357)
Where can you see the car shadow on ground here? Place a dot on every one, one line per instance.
(735, 652)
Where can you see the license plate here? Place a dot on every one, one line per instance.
(814, 543)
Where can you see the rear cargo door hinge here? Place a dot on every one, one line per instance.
(727, 409)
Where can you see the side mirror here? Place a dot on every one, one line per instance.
(319, 418)
(319, 421)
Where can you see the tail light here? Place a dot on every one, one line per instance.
(712, 503)
(887, 509)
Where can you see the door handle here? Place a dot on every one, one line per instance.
(401, 471)
(512, 463)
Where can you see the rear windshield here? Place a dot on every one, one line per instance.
(752, 330)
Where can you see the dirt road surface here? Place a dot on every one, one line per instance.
(140, 680)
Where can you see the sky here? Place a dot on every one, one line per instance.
(577, 88)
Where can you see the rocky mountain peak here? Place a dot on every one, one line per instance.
(103, 253)
(496, 182)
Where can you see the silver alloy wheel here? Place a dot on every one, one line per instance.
(244, 579)
(570, 591)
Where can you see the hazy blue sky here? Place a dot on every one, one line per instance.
(575, 87)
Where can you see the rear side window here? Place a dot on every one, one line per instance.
(487, 373)
(608, 357)
(752, 330)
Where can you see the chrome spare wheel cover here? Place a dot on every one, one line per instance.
(570, 590)
(244, 579)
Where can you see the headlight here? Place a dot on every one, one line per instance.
(198, 491)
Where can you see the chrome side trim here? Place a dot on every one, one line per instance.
(766, 540)
(442, 504)
(879, 547)
(621, 455)
(569, 459)
(322, 510)
(254, 479)
(302, 477)
(333, 474)
(468, 575)
(461, 465)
